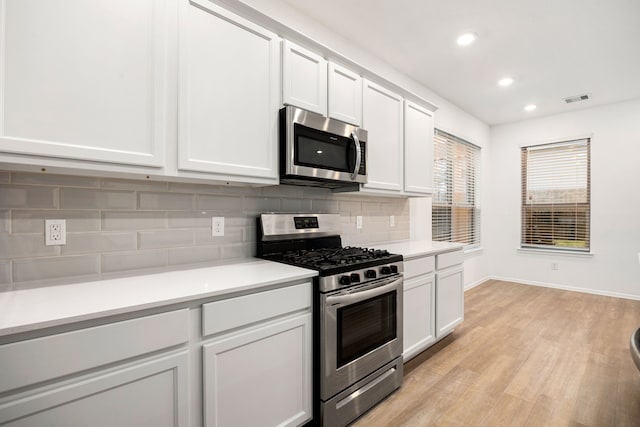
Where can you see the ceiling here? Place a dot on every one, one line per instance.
(552, 49)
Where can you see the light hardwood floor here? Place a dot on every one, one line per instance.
(524, 356)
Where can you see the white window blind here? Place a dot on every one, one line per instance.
(456, 173)
(556, 196)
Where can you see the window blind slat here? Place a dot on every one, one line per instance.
(556, 195)
(455, 206)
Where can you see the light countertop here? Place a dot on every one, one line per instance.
(418, 248)
(31, 309)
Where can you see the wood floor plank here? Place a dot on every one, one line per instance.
(528, 356)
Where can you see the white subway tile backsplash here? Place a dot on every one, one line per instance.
(133, 220)
(124, 226)
(28, 196)
(181, 256)
(132, 184)
(131, 261)
(165, 239)
(98, 242)
(78, 198)
(5, 273)
(24, 246)
(55, 180)
(5, 221)
(219, 203)
(39, 269)
(32, 221)
(165, 201)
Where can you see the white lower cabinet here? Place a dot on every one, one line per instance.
(99, 376)
(419, 315)
(152, 392)
(257, 372)
(259, 376)
(449, 298)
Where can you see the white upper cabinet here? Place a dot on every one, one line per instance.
(85, 80)
(228, 96)
(304, 78)
(418, 149)
(382, 118)
(345, 95)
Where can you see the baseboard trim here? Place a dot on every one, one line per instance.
(476, 283)
(563, 287)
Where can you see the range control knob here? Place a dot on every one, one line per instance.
(344, 280)
(385, 270)
(355, 277)
(394, 269)
(370, 274)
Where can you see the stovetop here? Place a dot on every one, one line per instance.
(335, 260)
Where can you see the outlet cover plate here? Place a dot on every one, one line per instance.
(55, 232)
(217, 226)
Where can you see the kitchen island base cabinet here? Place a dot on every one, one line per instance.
(449, 300)
(260, 376)
(152, 392)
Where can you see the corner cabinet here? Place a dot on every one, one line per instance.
(228, 95)
(257, 363)
(382, 118)
(81, 82)
(418, 149)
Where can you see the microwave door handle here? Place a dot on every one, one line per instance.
(364, 295)
(356, 142)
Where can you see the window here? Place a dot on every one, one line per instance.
(556, 189)
(456, 173)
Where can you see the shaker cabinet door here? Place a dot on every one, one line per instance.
(85, 80)
(228, 96)
(418, 149)
(382, 118)
(345, 95)
(304, 78)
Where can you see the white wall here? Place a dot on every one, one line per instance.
(448, 117)
(614, 268)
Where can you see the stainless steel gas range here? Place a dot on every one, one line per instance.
(357, 312)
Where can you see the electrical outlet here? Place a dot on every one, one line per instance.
(392, 221)
(217, 226)
(554, 265)
(359, 222)
(55, 232)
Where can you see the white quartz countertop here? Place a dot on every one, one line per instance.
(31, 309)
(418, 248)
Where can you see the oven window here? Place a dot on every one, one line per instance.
(365, 326)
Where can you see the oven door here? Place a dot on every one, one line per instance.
(360, 331)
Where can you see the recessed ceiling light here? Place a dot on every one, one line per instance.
(530, 107)
(467, 38)
(505, 81)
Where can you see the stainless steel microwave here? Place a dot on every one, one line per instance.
(319, 151)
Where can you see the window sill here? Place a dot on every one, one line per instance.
(473, 251)
(559, 252)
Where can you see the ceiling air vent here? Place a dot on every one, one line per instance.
(576, 98)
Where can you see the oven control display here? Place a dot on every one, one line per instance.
(304, 222)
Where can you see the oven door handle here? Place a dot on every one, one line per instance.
(356, 143)
(350, 298)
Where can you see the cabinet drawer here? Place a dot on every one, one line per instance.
(449, 259)
(28, 362)
(416, 267)
(232, 313)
